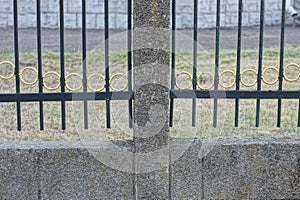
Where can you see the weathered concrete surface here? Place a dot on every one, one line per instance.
(253, 168)
(151, 36)
(57, 170)
(265, 168)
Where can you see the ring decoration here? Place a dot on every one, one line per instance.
(289, 79)
(94, 78)
(115, 77)
(243, 82)
(201, 77)
(91, 78)
(264, 75)
(13, 71)
(67, 83)
(58, 81)
(190, 79)
(243, 76)
(221, 82)
(29, 69)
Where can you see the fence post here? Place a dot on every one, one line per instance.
(151, 44)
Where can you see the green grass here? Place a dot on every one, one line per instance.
(182, 117)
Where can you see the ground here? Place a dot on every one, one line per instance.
(50, 39)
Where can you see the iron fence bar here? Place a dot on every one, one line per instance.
(299, 114)
(39, 52)
(217, 56)
(233, 94)
(129, 61)
(195, 59)
(260, 58)
(238, 65)
(70, 96)
(126, 95)
(62, 62)
(173, 60)
(281, 67)
(84, 63)
(106, 34)
(16, 48)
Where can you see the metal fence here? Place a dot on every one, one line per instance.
(236, 94)
(196, 92)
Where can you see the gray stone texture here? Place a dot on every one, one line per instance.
(251, 168)
(118, 12)
(58, 171)
(151, 70)
(261, 168)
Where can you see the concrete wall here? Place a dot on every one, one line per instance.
(262, 168)
(118, 15)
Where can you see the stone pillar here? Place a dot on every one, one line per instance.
(151, 38)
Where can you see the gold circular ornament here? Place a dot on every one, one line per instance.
(289, 79)
(101, 78)
(48, 87)
(199, 79)
(248, 84)
(264, 75)
(67, 84)
(28, 69)
(116, 76)
(189, 77)
(221, 78)
(12, 74)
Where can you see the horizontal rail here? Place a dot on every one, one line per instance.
(129, 95)
(88, 96)
(234, 94)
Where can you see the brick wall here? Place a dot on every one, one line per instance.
(118, 16)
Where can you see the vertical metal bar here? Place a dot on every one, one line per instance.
(129, 61)
(282, 42)
(299, 114)
(106, 24)
(62, 62)
(217, 58)
(16, 48)
(39, 52)
(195, 62)
(238, 63)
(173, 60)
(84, 62)
(260, 59)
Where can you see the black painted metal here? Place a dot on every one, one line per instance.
(232, 94)
(39, 52)
(126, 95)
(57, 97)
(107, 77)
(62, 62)
(173, 60)
(217, 61)
(260, 58)
(299, 114)
(238, 62)
(16, 48)
(195, 61)
(84, 62)
(129, 61)
(108, 96)
(281, 64)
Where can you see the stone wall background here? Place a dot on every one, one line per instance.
(118, 13)
(236, 168)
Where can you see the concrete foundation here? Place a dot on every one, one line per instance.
(253, 168)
